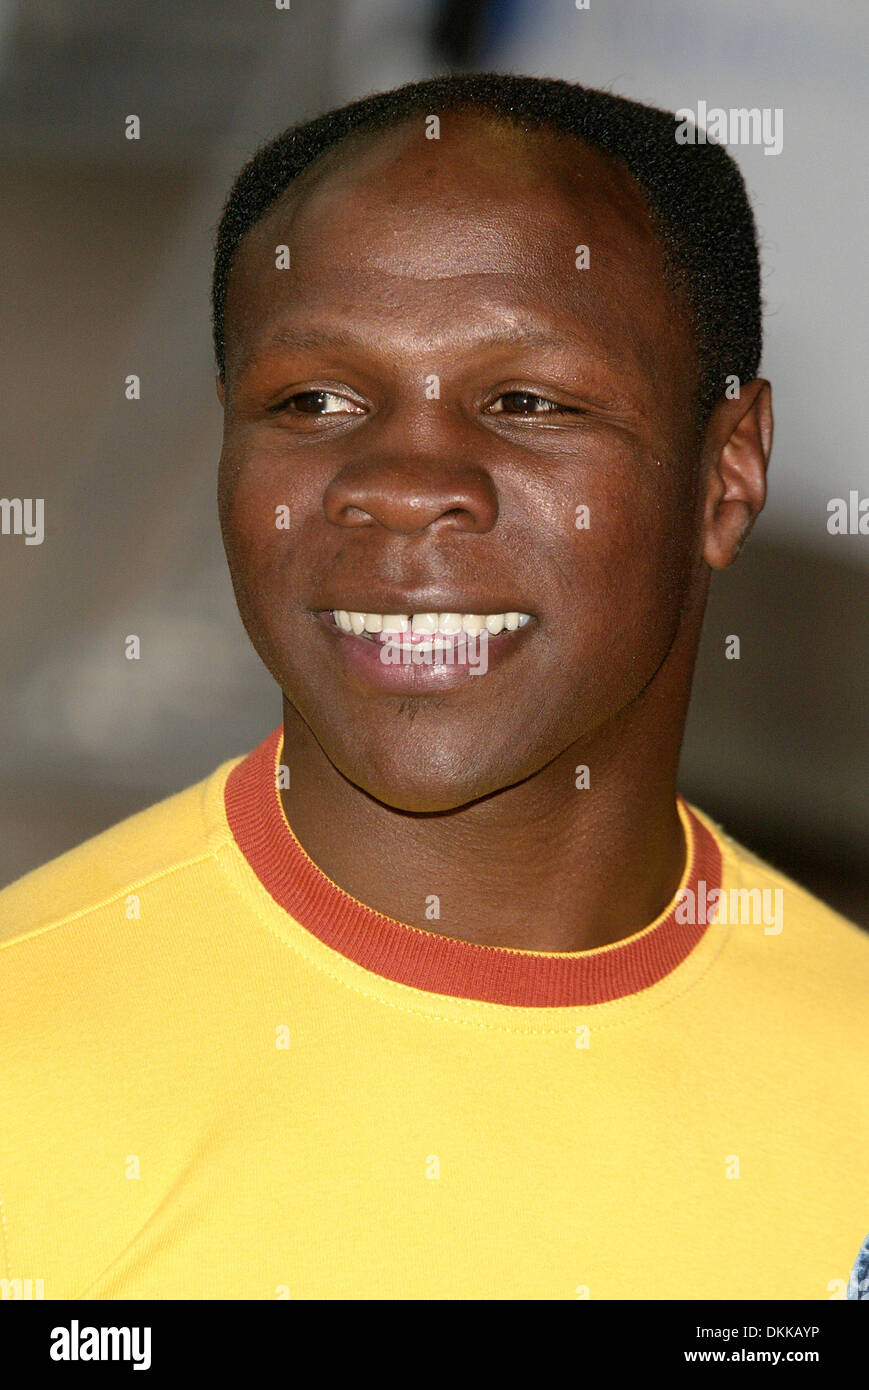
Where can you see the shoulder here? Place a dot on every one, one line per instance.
(161, 841)
(793, 935)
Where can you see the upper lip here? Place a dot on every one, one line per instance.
(390, 601)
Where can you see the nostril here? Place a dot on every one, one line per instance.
(409, 503)
(356, 516)
(461, 516)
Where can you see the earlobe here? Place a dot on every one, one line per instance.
(737, 449)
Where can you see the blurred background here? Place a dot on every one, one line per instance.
(105, 248)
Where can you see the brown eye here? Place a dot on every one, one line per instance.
(524, 403)
(319, 403)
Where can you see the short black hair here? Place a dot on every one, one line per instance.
(695, 192)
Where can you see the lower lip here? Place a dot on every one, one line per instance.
(362, 658)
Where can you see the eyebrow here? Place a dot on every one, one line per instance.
(310, 339)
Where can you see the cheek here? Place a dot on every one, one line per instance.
(256, 517)
(259, 514)
(623, 576)
(640, 560)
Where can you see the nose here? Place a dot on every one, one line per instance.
(411, 492)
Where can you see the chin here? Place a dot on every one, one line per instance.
(422, 801)
(419, 786)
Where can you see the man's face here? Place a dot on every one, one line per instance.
(435, 391)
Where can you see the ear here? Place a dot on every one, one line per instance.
(221, 392)
(736, 449)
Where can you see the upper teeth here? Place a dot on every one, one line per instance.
(446, 623)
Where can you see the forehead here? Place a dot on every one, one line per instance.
(484, 224)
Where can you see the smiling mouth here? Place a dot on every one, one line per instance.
(420, 628)
(423, 653)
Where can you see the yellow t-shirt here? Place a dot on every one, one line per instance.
(223, 1077)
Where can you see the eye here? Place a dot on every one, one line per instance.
(528, 403)
(319, 403)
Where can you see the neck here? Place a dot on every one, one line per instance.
(540, 866)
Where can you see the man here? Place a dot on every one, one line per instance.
(443, 992)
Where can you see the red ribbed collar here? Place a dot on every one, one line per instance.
(439, 964)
